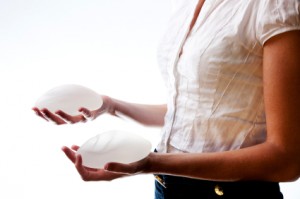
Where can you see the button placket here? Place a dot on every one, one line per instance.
(172, 70)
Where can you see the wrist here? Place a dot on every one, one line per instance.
(153, 162)
(109, 105)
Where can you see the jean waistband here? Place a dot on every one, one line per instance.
(252, 188)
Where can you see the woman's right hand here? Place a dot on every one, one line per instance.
(60, 117)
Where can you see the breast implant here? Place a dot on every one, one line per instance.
(69, 98)
(109, 146)
(113, 146)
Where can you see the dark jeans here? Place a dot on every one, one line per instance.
(185, 188)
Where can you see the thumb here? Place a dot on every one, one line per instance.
(120, 168)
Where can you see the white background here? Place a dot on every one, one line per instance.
(106, 45)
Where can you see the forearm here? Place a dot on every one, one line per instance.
(261, 162)
(150, 115)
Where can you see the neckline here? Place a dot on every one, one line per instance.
(196, 13)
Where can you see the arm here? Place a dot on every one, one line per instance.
(151, 115)
(277, 159)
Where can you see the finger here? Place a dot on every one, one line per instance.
(120, 168)
(75, 147)
(87, 114)
(52, 117)
(39, 113)
(69, 153)
(89, 174)
(91, 169)
(85, 174)
(70, 118)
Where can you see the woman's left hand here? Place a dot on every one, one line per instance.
(111, 170)
(141, 166)
(89, 174)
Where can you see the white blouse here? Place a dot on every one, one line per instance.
(215, 86)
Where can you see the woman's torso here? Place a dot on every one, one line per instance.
(215, 86)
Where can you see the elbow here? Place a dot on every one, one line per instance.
(287, 170)
(283, 172)
(290, 167)
(283, 164)
(290, 172)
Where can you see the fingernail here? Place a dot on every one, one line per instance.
(106, 167)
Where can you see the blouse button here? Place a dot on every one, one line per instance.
(219, 191)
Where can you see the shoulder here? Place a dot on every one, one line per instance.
(280, 9)
(276, 17)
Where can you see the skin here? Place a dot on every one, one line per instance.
(277, 159)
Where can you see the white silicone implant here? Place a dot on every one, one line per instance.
(69, 98)
(113, 146)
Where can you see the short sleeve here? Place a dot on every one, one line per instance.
(275, 17)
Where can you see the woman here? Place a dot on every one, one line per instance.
(230, 126)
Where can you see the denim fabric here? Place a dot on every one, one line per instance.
(185, 188)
